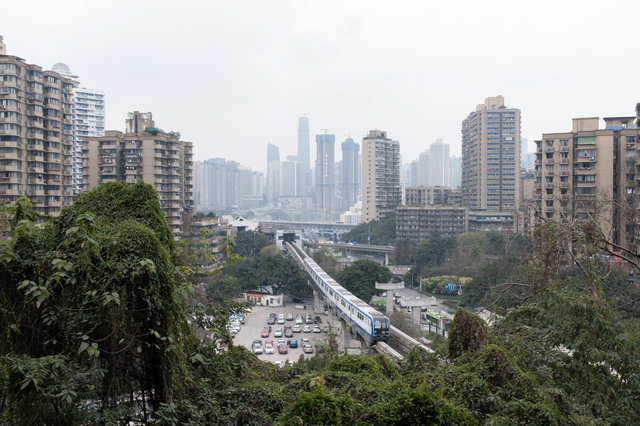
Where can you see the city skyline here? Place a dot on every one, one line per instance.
(244, 65)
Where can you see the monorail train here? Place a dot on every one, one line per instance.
(364, 320)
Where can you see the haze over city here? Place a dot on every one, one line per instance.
(234, 76)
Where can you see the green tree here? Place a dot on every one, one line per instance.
(382, 232)
(269, 269)
(93, 299)
(249, 243)
(360, 277)
(326, 261)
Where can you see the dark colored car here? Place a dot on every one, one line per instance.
(317, 320)
(288, 333)
(293, 343)
(271, 320)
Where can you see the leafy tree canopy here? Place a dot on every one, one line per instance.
(382, 232)
(249, 243)
(361, 276)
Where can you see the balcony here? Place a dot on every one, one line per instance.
(549, 149)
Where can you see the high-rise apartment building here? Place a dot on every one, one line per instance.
(591, 172)
(491, 157)
(291, 178)
(273, 172)
(304, 153)
(350, 173)
(88, 119)
(146, 153)
(36, 134)
(455, 172)
(381, 191)
(439, 164)
(325, 174)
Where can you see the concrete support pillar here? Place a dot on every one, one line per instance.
(417, 313)
(386, 259)
(389, 300)
(318, 303)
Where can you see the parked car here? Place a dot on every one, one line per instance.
(281, 320)
(325, 328)
(282, 349)
(317, 320)
(293, 343)
(268, 347)
(288, 333)
(272, 315)
(257, 348)
(277, 333)
(297, 328)
(305, 340)
(307, 349)
(265, 333)
(316, 329)
(306, 329)
(271, 320)
(289, 316)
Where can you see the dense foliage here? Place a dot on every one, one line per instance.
(361, 276)
(380, 232)
(270, 268)
(91, 307)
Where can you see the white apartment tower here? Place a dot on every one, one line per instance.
(88, 120)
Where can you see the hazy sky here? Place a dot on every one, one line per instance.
(232, 76)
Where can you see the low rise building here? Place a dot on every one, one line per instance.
(419, 223)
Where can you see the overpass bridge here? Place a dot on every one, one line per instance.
(361, 326)
(364, 248)
(329, 228)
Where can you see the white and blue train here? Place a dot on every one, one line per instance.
(364, 320)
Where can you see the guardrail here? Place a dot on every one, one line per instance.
(403, 342)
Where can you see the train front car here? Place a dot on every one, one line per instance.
(381, 328)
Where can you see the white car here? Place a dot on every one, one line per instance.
(268, 349)
(306, 329)
(257, 349)
(297, 328)
(316, 329)
(277, 333)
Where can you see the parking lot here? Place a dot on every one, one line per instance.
(256, 320)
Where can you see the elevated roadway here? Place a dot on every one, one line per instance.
(364, 248)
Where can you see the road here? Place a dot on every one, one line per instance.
(409, 293)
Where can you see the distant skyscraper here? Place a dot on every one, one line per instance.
(273, 171)
(88, 119)
(351, 173)
(491, 157)
(304, 152)
(423, 168)
(439, 164)
(291, 178)
(325, 174)
(381, 191)
(455, 172)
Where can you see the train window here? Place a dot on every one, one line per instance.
(377, 324)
